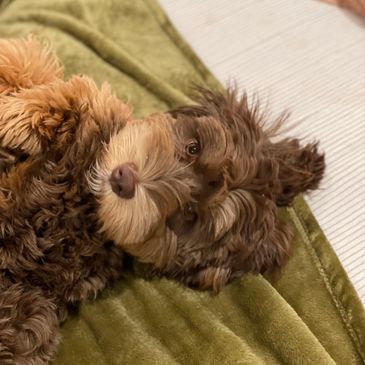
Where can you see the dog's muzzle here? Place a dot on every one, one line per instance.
(123, 180)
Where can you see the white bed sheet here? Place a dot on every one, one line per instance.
(308, 57)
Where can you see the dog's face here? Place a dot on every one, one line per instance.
(163, 178)
(187, 190)
(229, 224)
(194, 191)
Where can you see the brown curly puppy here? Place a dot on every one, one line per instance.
(231, 224)
(193, 192)
(77, 174)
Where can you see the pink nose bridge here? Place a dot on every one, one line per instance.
(123, 180)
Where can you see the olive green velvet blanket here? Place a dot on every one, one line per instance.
(310, 315)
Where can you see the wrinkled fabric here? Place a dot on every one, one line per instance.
(310, 314)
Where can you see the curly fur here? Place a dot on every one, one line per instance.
(232, 225)
(28, 326)
(59, 218)
(202, 216)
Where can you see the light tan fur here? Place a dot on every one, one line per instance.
(24, 63)
(162, 181)
(41, 113)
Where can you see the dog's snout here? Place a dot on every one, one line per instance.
(123, 180)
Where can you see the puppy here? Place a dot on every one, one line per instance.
(192, 192)
(230, 225)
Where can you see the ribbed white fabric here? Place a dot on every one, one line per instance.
(308, 57)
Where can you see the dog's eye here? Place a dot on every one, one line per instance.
(189, 212)
(192, 148)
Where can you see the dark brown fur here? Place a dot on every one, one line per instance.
(51, 250)
(202, 218)
(232, 224)
(60, 221)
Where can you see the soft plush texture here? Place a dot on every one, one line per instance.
(310, 314)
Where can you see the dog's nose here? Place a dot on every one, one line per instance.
(123, 181)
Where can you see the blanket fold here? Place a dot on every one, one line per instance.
(309, 315)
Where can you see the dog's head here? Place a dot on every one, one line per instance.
(169, 163)
(229, 224)
(193, 191)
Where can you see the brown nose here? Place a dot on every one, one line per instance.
(123, 180)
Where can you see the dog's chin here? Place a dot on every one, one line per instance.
(128, 221)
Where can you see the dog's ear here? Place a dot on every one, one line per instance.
(267, 238)
(259, 242)
(24, 63)
(301, 168)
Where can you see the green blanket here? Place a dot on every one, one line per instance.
(310, 315)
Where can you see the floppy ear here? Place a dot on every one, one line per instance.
(264, 247)
(301, 168)
(259, 242)
(269, 238)
(24, 63)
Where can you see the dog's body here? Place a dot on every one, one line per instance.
(193, 192)
(78, 175)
